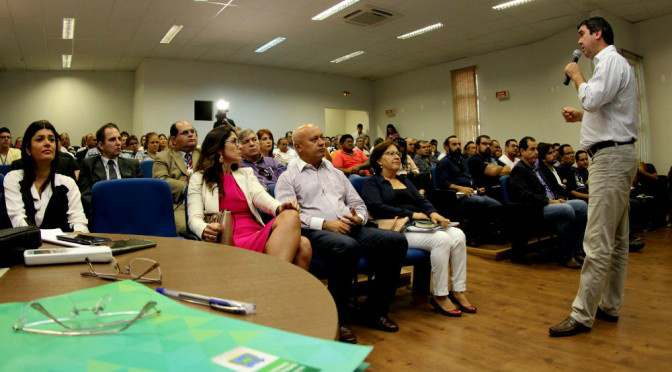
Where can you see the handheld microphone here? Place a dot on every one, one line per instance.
(575, 57)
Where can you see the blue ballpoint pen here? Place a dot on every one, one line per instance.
(214, 302)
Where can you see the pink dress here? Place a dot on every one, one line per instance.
(247, 232)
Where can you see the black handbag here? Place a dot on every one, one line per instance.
(14, 241)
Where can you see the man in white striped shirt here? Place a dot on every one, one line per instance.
(608, 133)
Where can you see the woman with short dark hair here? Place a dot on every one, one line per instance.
(388, 196)
(36, 195)
(219, 184)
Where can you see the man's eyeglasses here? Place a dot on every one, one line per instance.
(138, 269)
(61, 316)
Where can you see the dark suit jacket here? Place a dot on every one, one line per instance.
(92, 171)
(525, 187)
(552, 182)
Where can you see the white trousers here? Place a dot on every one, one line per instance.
(446, 247)
(607, 234)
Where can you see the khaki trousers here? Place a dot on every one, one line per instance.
(607, 234)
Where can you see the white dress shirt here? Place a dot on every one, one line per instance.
(609, 99)
(324, 194)
(505, 159)
(107, 169)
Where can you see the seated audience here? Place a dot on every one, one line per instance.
(452, 173)
(37, 195)
(361, 145)
(580, 184)
(65, 145)
(423, 157)
(547, 158)
(388, 196)
(496, 150)
(7, 153)
(176, 164)
(348, 160)
(530, 188)
(484, 168)
(434, 152)
(18, 143)
(151, 146)
(88, 144)
(163, 142)
(219, 184)
(332, 218)
(411, 146)
(469, 150)
(566, 167)
(284, 154)
(359, 132)
(107, 166)
(266, 143)
(267, 170)
(391, 132)
(132, 149)
(510, 157)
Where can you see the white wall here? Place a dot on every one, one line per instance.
(75, 102)
(260, 97)
(655, 45)
(352, 118)
(531, 73)
(334, 121)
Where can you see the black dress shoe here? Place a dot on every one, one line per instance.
(382, 323)
(636, 246)
(345, 334)
(602, 315)
(568, 327)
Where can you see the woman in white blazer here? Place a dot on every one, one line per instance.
(219, 184)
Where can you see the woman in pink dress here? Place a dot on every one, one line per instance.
(219, 184)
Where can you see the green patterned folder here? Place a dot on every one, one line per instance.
(178, 339)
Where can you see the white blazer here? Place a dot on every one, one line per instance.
(202, 200)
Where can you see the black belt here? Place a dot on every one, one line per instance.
(603, 145)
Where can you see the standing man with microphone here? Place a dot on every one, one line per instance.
(608, 133)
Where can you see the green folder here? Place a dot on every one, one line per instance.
(178, 339)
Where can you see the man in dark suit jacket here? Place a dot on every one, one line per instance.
(530, 188)
(107, 166)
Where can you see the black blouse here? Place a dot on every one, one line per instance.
(383, 201)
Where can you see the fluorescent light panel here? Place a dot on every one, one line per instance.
(68, 28)
(270, 44)
(421, 31)
(346, 57)
(333, 10)
(510, 4)
(171, 34)
(67, 60)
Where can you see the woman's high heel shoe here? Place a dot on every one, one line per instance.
(437, 308)
(467, 309)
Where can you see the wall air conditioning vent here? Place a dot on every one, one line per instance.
(370, 16)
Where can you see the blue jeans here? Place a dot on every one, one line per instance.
(570, 221)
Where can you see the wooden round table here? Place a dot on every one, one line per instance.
(286, 296)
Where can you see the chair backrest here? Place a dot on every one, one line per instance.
(4, 220)
(504, 181)
(4, 169)
(435, 181)
(146, 167)
(132, 206)
(358, 183)
(271, 190)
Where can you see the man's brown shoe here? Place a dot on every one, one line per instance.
(568, 327)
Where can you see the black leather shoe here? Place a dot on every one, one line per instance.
(636, 245)
(345, 334)
(568, 327)
(382, 323)
(602, 315)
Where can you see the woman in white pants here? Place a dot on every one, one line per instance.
(388, 196)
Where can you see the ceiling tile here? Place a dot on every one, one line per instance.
(30, 28)
(130, 10)
(83, 62)
(13, 61)
(93, 9)
(25, 8)
(86, 46)
(119, 30)
(60, 9)
(9, 46)
(191, 52)
(33, 46)
(59, 46)
(165, 11)
(165, 50)
(129, 64)
(107, 63)
(140, 49)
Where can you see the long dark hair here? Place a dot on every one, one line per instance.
(29, 162)
(210, 160)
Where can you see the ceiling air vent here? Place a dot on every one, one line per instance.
(370, 16)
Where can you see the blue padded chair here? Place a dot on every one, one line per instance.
(4, 169)
(358, 183)
(504, 181)
(152, 212)
(271, 190)
(146, 167)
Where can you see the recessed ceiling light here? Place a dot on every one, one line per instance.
(67, 59)
(420, 31)
(68, 28)
(270, 44)
(171, 34)
(348, 56)
(510, 4)
(333, 10)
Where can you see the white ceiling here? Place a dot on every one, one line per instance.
(116, 35)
